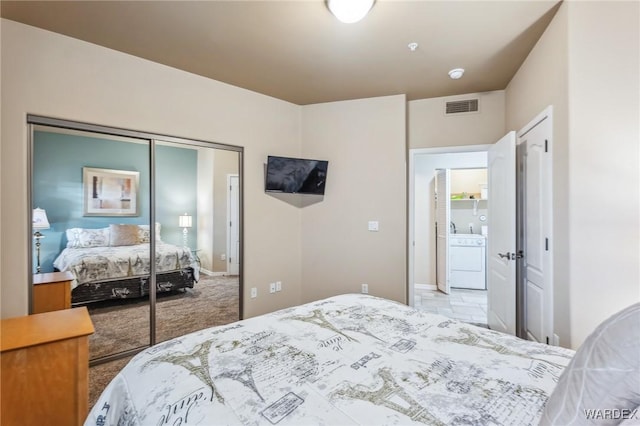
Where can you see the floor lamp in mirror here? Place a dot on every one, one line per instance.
(39, 222)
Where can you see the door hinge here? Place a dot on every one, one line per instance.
(546, 244)
(547, 340)
(546, 145)
(230, 224)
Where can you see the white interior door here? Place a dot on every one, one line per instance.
(233, 236)
(501, 241)
(443, 219)
(537, 277)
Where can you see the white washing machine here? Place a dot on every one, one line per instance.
(467, 261)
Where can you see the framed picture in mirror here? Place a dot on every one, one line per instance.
(110, 192)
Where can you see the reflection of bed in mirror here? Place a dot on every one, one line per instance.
(114, 263)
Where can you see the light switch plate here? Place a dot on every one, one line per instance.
(374, 225)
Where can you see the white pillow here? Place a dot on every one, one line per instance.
(82, 238)
(144, 234)
(604, 374)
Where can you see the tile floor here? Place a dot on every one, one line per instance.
(464, 305)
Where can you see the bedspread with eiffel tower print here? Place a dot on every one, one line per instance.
(346, 360)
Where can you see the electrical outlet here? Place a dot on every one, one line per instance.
(272, 288)
(365, 288)
(556, 340)
(223, 256)
(278, 285)
(254, 292)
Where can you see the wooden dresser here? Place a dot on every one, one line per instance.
(44, 368)
(51, 291)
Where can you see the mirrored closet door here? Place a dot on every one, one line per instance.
(95, 193)
(196, 198)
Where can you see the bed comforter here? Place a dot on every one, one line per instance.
(346, 360)
(90, 264)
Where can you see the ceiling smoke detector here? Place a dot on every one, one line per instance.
(456, 73)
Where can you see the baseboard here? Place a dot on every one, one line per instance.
(211, 273)
(431, 287)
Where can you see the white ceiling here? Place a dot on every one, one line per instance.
(297, 51)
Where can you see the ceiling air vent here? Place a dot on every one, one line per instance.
(458, 107)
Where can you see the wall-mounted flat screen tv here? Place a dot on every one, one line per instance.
(296, 175)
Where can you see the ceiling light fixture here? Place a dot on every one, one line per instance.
(350, 11)
(412, 46)
(456, 73)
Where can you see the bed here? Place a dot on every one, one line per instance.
(114, 263)
(345, 360)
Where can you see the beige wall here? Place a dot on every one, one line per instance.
(226, 163)
(52, 75)
(1, 163)
(364, 141)
(205, 208)
(586, 66)
(429, 127)
(604, 179)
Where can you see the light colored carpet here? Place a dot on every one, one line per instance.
(120, 327)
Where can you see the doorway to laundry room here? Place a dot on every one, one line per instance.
(461, 228)
(519, 240)
(447, 268)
